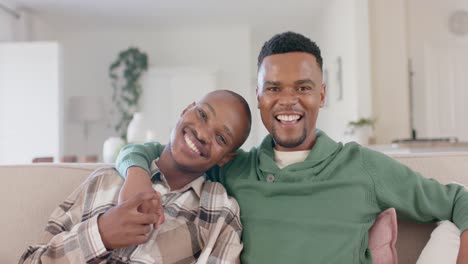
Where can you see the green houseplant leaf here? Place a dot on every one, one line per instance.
(125, 73)
(362, 122)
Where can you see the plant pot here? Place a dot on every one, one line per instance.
(136, 131)
(111, 149)
(363, 135)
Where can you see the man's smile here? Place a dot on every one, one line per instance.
(288, 118)
(193, 144)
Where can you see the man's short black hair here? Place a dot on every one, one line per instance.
(289, 42)
(248, 114)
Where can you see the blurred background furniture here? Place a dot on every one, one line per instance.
(85, 110)
(68, 159)
(88, 159)
(43, 160)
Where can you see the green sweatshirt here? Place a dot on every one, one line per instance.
(320, 210)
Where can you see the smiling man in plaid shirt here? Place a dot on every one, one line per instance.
(195, 222)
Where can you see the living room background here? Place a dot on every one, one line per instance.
(227, 39)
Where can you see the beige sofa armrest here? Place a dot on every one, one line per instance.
(444, 167)
(29, 195)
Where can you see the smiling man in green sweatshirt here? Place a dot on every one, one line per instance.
(304, 197)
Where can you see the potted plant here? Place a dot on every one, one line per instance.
(363, 129)
(125, 73)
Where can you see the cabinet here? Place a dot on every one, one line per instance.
(31, 107)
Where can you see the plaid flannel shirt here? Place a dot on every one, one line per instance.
(201, 225)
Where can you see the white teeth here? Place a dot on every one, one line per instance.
(191, 145)
(288, 117)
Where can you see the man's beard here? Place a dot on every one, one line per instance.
(289, 142)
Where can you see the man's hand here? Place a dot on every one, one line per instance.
(463, 251)
(138, 180)
(123, 226)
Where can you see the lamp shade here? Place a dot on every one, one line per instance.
(85, 108)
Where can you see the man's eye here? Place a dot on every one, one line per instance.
(272, 89)
(202, 114)
(221, 140)
(303, 88)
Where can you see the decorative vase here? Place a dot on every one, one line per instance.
(112, 148)
(364, 135)
(136, 131)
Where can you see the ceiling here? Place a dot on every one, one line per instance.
(256, 13)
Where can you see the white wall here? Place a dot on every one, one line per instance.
(390, 69)
(429, 32)
(418, 30)
(363, 58)
(30, 108)
(343, 32)
(12, 27)
(161, 113)
(6, 22)
(89, 52)
(6, 27)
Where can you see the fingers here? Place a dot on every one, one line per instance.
(156, 205)
(160, 213)
(147, 207)
(145, 219)
(139, 199)
(135, 241)
(149, 210)
(159, 222)
(153, 206)
(158, 209)
(138, 240)
(142, 230)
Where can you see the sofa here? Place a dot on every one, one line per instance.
(30, 193)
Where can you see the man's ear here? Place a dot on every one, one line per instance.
(228, 157)
(323, 94)
(258, 99)
(187, 108)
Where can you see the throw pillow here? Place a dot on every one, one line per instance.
(443, 245)
(382, 238)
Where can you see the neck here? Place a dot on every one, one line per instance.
(176, 176)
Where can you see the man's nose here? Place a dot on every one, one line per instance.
(288, 97)
(204, 133)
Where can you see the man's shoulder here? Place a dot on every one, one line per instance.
(242, 155)
(242, 159)
(373, 160)
(104, 177)
(363, 151)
